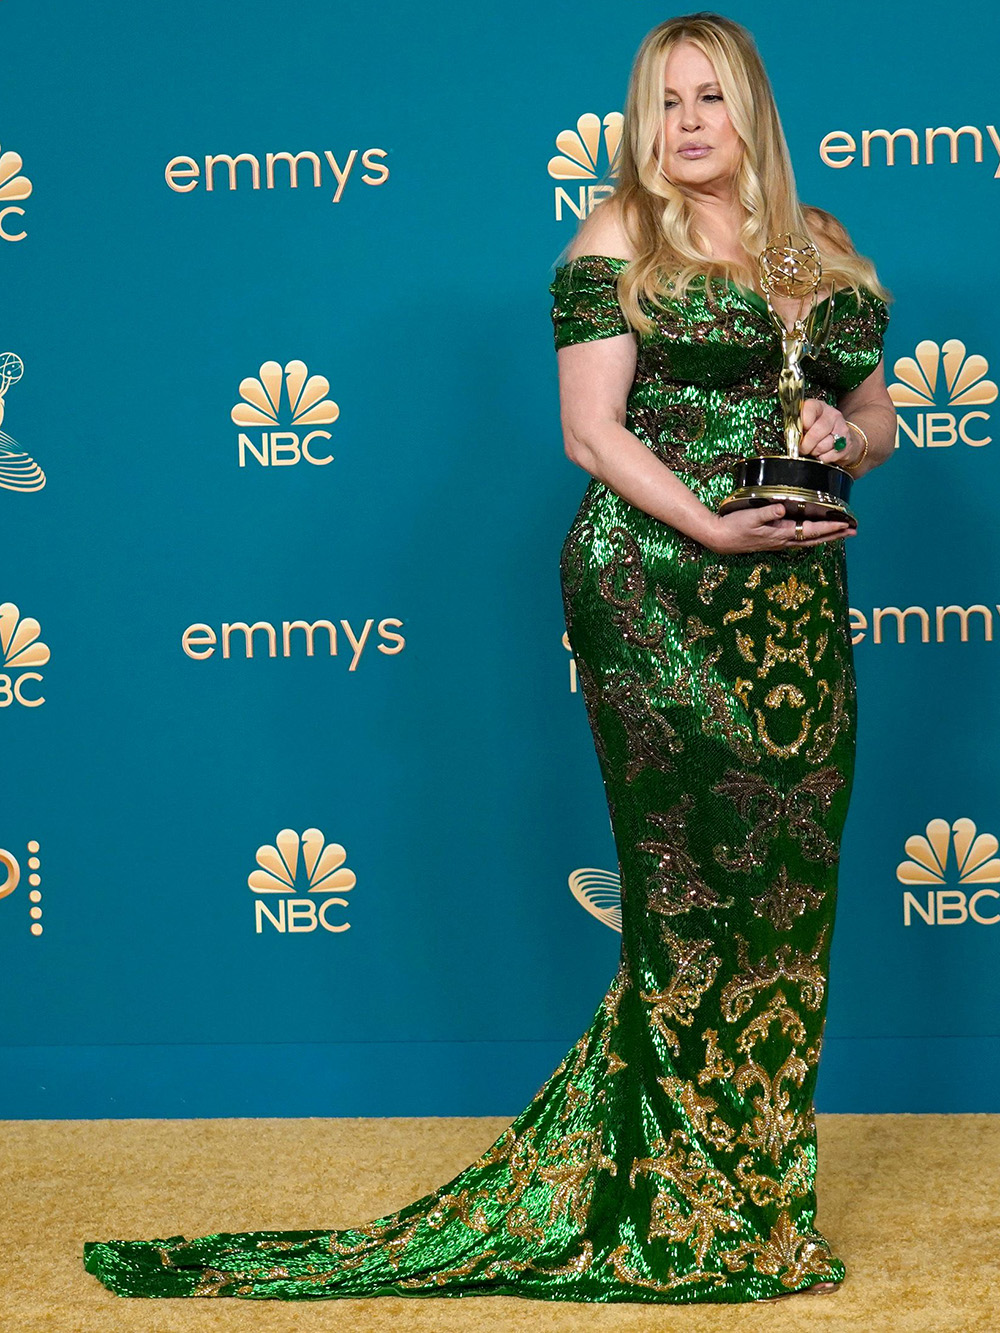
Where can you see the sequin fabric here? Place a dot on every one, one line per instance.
(671, 1157)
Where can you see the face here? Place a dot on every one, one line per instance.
(700, 145)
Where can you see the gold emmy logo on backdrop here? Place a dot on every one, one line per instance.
(839, 148)
(937, 378)
(600, 892)
(21, 649)
(18, 472)
(13, 186)
(579, 159)
(260, 404)
(10, 878)
(322, 871)
(976, 862)
(184, 174)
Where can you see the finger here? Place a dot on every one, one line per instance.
(818, 440)
(769, 514)
(816, 541)
(813, 527)
(811, 409)
(833, 529)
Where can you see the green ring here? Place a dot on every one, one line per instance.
(840, 442)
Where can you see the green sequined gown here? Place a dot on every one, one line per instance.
(671, 1157)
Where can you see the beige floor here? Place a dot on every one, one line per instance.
(910, 1202)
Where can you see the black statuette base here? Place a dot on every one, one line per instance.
(808, 488)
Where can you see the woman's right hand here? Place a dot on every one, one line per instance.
(767, 528)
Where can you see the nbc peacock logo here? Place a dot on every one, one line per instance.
(286, 397)
(18, 472)
(585, 155)
(289, 872)
(14, 187)
(12, 874)
(21, 652)
(940, 393)
(599, 892)
(928, 869)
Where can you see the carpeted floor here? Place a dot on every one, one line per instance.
(910, 1203)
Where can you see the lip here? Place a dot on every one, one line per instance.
(694, 150)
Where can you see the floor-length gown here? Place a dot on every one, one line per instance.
(671, 1157)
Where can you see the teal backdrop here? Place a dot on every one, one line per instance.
(154, 961)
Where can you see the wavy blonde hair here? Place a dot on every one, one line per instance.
(656, 214)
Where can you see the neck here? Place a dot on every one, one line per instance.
(717, 217)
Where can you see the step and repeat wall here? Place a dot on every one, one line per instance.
(300, 812)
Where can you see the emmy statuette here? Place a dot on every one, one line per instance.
(790, 267)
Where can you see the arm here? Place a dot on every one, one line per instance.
(869, 405)
(874, 411)
(594, 382)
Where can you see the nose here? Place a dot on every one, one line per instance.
(690, 121)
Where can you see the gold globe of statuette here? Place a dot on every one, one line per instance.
(790, 266)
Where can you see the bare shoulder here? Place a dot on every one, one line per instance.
(602, 233)
(828, 230)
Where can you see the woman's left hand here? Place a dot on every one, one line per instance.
(821, 424)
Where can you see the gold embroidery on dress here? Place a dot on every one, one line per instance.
(693, 972)
(785, 1253)
(578, 1264)
(466, 1206)
(575, 1095)
(789, 747)
(827, 732)
(521, 1224)
(774, 1126)
(786, 643)
(622, 584)
(211, 1281)
(786, 964)
(591, 697)
(753, 578)
(720, 717)
(611, 1003)
(626, 1272)
(694, 630)
(791, 593)
(763, 805)
(650, 738)
(676, 886)
(745, 645)
(438, 1279)
(579, 1156)
(699, 1110)
(717, 1063)
(741, 614)
(375, 1239)
(767, 1191)
(786, 900)
(712, 578)
(710, 1201)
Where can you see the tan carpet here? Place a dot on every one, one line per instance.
(909, 1202)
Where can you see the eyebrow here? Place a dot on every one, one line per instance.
(712, 83)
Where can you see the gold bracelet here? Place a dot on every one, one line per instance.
(851, 466)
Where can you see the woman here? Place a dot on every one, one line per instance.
(671, 1157)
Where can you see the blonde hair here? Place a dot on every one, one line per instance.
(656, 214)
